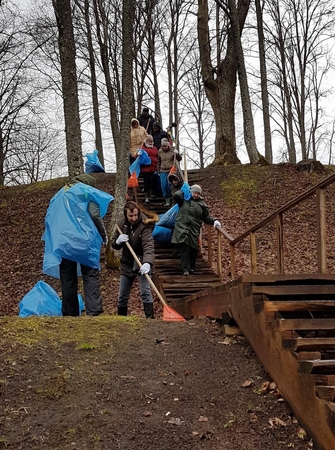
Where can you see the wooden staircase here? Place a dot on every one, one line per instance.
(168, 274)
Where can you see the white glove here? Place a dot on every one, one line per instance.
(122, 238)
(139, 152)
(217, 223)
(106, 241)
(175, 151)
(145, 268)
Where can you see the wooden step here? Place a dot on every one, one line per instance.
(317, 366)
(300, 290)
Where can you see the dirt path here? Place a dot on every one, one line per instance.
(127, 383)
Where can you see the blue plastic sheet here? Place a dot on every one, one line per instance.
(162, 235)
(43, 300)
(142, 159)
(168, 219)
(186, 190)
(93, 164)
(69, 229)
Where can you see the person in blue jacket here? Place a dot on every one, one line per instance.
(74, 231)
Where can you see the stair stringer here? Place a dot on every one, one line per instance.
(315, 414)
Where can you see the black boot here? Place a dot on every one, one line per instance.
(122, 310)
(149, 310)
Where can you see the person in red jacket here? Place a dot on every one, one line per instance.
(149, 171)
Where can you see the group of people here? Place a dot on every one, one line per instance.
(133, 235)
(146, 134)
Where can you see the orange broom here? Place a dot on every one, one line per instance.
(169, 314)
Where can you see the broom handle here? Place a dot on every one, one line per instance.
(185, 167)
(138, 262)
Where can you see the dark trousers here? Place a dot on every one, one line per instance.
(69, 282)
(188, 256)
(149, 181)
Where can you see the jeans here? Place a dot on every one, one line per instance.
(166, 190)
(126, 284)
(69, 282)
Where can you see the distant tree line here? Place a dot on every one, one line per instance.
(74, 72)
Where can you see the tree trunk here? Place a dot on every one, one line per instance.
(95, 99)
(264, 84)
(67, 53)
(248, 121)
(220, 84)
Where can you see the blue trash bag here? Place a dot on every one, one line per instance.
(142, 159)
(186, 190)
(168, 219)
(162, 235)
(93, 164)
(43, 300)
(69, 229)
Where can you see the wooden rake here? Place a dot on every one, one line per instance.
(169, 314)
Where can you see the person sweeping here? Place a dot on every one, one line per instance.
(136, 230)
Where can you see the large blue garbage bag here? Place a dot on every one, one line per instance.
(168, 219)
(69, 229)
(142, 159)
(162, 235)
(43, 300)
(93, 164)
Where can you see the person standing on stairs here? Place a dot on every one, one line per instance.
(191, 215)
(149, 171)
(137, 136)
(167, 158)
(136, 229)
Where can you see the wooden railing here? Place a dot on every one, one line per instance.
(277, 217)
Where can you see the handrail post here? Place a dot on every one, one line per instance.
(321, 230)
(253, 252)
(210, 249)
(280, 241)
(219, 254)
(232, 261)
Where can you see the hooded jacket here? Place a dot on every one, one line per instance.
(137, 136)
(141, 241)
(92, 208)
(158, 135)
(192, 213)
(177, 174)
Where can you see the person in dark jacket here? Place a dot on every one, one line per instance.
(74, 248)
(191, 215)
(146, 120)
(136, 229)
(158, 134)
(176, 182)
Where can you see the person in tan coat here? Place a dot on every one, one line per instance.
(137, 137)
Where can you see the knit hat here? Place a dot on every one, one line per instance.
(196, 188)
(165, 141)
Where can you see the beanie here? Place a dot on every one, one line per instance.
(196, 188)
(165, 141)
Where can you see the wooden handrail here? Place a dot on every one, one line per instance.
(319, 190)
(286, 207)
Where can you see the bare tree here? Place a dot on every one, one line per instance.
(219, 79)
(264, 83)
(63, 13)
(298, 32)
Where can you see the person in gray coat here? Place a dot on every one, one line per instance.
(191, 215)
(136, 229)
